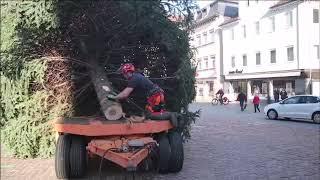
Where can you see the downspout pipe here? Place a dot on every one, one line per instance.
(298, 38)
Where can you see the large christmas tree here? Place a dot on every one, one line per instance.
(49, 48)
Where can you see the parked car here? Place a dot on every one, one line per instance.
(296, 107)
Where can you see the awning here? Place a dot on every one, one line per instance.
(263, 75)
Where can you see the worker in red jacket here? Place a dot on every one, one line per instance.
(139, 83)
(256, 102)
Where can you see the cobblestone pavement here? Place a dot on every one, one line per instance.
(226, 144)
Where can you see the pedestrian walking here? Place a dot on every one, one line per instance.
(276, 95)
(256, 103)
(242, 98)
(283, 94)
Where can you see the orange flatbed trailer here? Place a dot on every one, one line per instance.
(124, 142)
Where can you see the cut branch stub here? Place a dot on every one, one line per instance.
(112, 110)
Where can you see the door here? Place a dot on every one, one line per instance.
(289, 108)
(304, 107)
(312, 105)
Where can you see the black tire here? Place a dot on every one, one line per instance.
(78, 157)
(164, 154)
(225, 101)
(177, 154)
(315, 117)
(214, 101)
(62, 157)
(270, 114)
(174, 120)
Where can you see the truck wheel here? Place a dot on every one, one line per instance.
(177, 154)
(62, 158)
(164, 154)
(78, 157)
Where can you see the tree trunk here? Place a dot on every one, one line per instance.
(111, 110)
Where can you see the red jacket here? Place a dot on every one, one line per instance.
(256, 100)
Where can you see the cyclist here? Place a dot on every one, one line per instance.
(220, 93)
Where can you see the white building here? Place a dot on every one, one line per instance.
(272, 44)
(207, 41)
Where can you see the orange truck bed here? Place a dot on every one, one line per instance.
(98, 126)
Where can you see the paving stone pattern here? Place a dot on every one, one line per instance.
(226, 144)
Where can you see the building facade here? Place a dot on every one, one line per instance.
(271, 45)
(207, 40)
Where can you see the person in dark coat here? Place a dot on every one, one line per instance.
(276, 95)
(283, 94)
(242, 98)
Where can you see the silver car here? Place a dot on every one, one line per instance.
(296, 107)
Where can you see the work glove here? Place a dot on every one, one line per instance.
(111, 97)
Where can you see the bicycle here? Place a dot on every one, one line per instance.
(216, 101)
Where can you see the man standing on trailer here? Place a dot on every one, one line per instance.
(142, 85)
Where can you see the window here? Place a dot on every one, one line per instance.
(205, 38)
(199, 63)
(206, 62)
(211, 35)
(232, 34)
(289, 19)
(258, 58)
(244, 31)
(315, 15)
(244, 58)
(312, 99)
(290, 54)
(317, 51)
(211, 86)
(302, 100)
(204, 12)
(292, 100)
(257, 24)
(200, 91)
(273, 56)
(233, 62)
(213, 60)
(199, 39)
(272, 24)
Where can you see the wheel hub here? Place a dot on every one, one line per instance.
(272, 114)
(316, 118)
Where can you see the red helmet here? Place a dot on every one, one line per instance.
(128, 67)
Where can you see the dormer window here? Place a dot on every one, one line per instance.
(199, 15)
(204, 12)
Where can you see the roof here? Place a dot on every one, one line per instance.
(230, 20)
(215, 10)
(224, 1)
(281, 6)
(282, 2)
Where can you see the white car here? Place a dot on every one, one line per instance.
(296, 107)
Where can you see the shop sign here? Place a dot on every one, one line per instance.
(236, 71)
